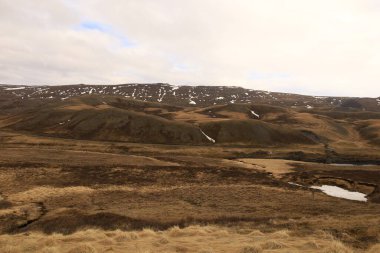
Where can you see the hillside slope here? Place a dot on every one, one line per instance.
(115, 118)
(187, 95)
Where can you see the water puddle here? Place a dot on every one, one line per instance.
(337, 192)
(351, 164)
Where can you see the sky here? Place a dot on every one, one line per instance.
(315, 47)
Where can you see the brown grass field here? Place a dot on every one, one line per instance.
(205, 239)
(98, 175)
(62, 195)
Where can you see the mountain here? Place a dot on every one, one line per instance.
(189, 95)
(199, 115)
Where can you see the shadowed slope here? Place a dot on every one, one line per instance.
(99, 119)
(113, 118)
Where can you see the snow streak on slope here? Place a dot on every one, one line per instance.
(255, 114)
(208, 137)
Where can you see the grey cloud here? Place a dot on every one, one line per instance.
(324, 47)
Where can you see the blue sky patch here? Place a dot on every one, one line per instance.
(107, 29)
(90, 25)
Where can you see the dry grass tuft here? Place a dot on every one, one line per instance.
(181, 249)
(281, 234)
(105, 242)
(175, 232)
(11, 249)
(312, 245)
(50, 242)
(163, 240)
(251, 249)
(374, 249)
(133, 236)
(271, 244)
(192, 239)
(337, 247)
(51, 250)
(84, 248)
(256, 233)
(146, 233)
(122, 238)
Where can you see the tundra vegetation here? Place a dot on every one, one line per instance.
(106, 172)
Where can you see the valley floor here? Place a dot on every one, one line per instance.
(61, 195)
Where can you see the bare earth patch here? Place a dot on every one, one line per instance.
(275, 166)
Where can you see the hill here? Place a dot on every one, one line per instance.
(187, 95)
(119, 118)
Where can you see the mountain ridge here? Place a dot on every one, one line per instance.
(188, 95)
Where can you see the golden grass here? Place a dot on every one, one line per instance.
(208, 196)
(234, 115)
(77, 107)
(205, 239)
(41, 193)
(374, 249)
(275, 166)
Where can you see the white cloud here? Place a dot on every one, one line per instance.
(325, 47)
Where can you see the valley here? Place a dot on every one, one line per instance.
(112, 172)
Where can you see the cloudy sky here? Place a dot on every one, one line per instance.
(319, 47)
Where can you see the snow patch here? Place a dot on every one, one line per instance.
(16, 88)
(133, 94)
(255, 114)
(208, 137)
(336, 191)
(292, 183)
(161, 95)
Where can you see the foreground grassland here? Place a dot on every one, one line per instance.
(205, 239)
(62, 195)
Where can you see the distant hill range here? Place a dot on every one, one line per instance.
(189, 95)
(199, 115)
